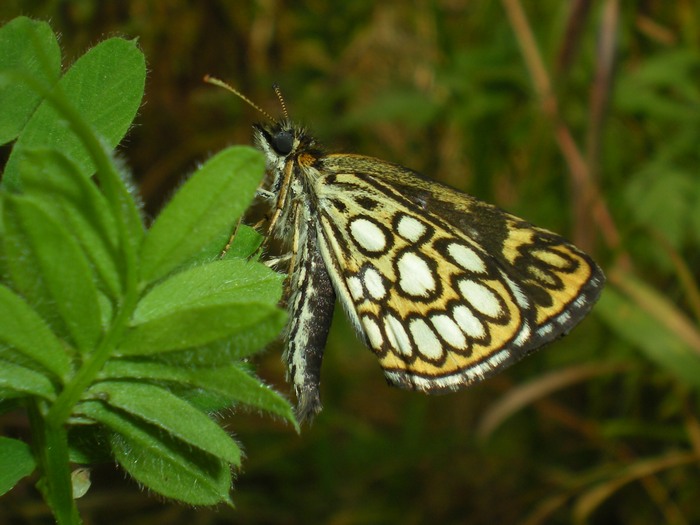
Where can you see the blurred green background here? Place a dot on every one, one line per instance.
(580, 116)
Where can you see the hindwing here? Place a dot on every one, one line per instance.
(444, 288)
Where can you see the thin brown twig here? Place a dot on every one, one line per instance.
(576, 22)
(584, 188)
(602, 84)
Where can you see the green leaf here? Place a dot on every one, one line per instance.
(48, 267)
(217, 282)
(237, 346)
(3, 257)
(207, 207)
(245, 243)
(203, 305)
(16, 462)
(21, 380)
(197, 326)
(167, 411)
(232, 382)
(162, 463)
(650, 190)
(644, 318)
(106, 85)
(664, 86)
(28, 47)
(73, 200)
(27, 333)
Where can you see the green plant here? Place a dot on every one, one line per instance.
(116, 339)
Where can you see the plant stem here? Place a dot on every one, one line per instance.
(62, 408)
(50, 443)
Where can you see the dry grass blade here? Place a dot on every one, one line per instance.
(692, 427)
(528, 393)
(689, 284)
(658, 307)
(546, 508)
(592, 499)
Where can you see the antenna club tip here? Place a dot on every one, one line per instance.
(212, 80)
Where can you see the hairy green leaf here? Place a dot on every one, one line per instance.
(50, 269)
(232, 382)
(55, 182)
(25, 331)
(28, 47)
(167, 411)
(15, 378)
(245, 243)
(16, 462)
(207, 207)
(161, 462)
(105, 85)
(196, 326)
(217, 282)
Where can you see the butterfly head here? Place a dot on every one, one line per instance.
(281, 141)
(277, 140)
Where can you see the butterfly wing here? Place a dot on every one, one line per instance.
(445, 289)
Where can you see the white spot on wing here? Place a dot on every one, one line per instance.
(374, 334)
(520, 297)
(374, 283)
(355, 287)
(396, 333)
(449, 331)
(546, 329)
(368, 235)
(410, 228)
(415, 277)
(466, 258)
(468, 322)
(480, 297)
(523, 335)
(427, 342)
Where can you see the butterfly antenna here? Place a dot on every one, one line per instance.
(215, 81)
(278, 92)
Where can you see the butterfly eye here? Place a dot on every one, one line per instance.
(283, 142)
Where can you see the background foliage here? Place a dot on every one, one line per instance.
(580, 116)
(116, 340)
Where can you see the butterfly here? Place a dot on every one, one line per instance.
(445, 289)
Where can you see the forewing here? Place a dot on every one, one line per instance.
(445, 289)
